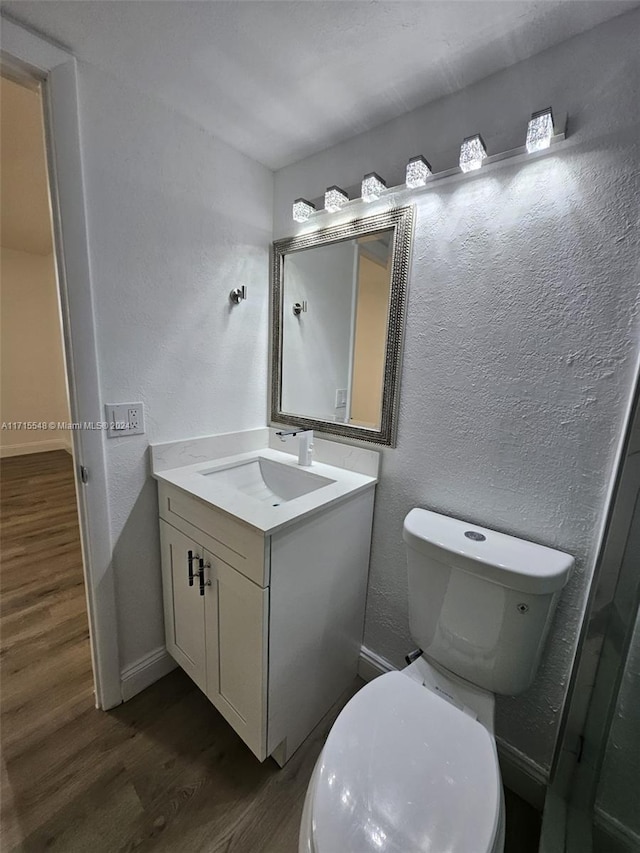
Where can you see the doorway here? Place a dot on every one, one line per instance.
(31, 59)
(47, 673)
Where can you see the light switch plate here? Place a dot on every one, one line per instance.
(124, 419)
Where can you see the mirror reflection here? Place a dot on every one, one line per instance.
(334, 330)
(338, 299)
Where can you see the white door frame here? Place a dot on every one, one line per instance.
(28, 52)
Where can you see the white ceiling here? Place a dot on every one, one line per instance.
(283, 80)
(25, 223)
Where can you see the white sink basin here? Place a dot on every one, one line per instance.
(266, 488)
(268, 481)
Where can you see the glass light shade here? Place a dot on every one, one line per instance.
(302, 209)
(472, 153)
(372, 187)
(418, 170)
(540, 131)
(335, 199)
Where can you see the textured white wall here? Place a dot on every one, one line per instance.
(316, 345)
(176, 219)
(33, 382)
(522, 329)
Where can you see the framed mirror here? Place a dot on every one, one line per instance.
(338, 312)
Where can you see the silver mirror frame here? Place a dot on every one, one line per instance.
(401, 221)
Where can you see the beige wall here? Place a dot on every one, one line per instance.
(24, 200)
(32, 377)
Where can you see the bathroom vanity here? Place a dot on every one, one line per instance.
(264, 574)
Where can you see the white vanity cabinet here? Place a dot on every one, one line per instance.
(215, 627)
(267, 624)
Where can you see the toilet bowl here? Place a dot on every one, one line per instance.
(403, 770)
(410, 765)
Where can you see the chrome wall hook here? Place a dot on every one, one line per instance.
(299, 307)
(237, 295)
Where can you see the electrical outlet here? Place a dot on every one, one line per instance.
(134, 418)
(124, 419)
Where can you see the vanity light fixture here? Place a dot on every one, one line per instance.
(302, 209)
(372, 187)
(335, 199)
(540, 130)
(472, 153)
(418, 170)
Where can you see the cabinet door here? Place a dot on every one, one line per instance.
(183, 604)
(236, 616)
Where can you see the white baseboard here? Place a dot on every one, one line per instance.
(33, 447)
(519, 773)
(522, 775)
(140, 675)
(621, 838)
(371, 665)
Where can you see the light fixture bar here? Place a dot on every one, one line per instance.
(492, 161)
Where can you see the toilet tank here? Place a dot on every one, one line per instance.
(481, 602)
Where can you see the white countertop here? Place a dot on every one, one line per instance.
(264, 517)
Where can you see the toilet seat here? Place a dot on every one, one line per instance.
(404, 770)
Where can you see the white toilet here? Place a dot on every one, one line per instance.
(411, 763)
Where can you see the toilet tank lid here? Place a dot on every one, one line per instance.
(506, 560)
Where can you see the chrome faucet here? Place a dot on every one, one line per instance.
(305, 443)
